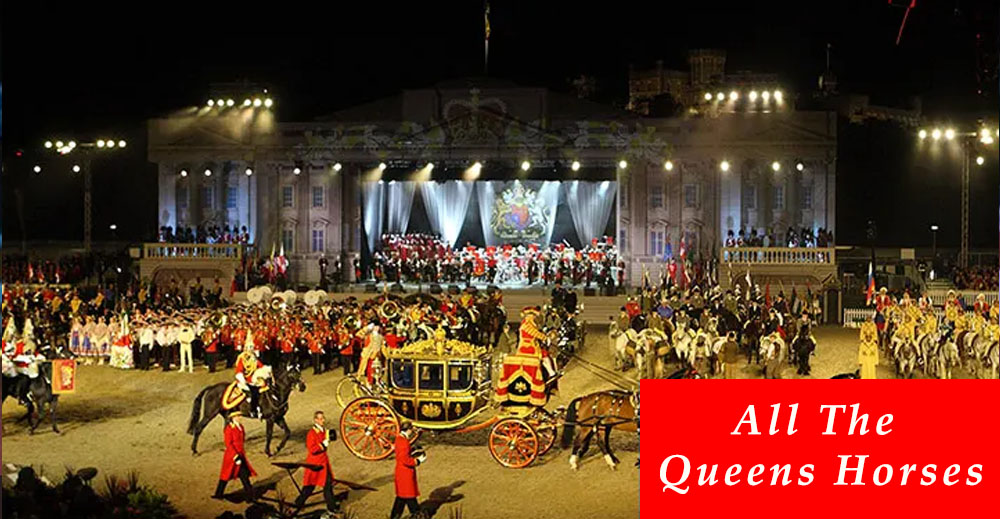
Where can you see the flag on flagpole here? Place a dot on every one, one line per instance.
(31, 273)
(767, 296)
(870, 292)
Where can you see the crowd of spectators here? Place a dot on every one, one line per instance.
(202, 234)
(975, 278)
(803, 237)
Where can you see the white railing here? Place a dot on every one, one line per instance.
(192, 251)
(853, 317)
(969, 296)
(779, 255)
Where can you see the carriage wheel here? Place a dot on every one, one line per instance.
(545, 426)
(369, 428)
(348, 389)
(513, 443)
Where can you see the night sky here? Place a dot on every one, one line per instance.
(92, 69)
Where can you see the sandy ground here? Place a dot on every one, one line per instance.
(121, 421)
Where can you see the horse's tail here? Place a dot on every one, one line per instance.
(569, 424)
(196, 410)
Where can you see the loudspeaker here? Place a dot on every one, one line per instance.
(371, 288)
(397, 289)
(589, 292)
(436, 289)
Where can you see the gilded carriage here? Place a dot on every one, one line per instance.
(444, 385)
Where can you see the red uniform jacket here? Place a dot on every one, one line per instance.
(406, 470)
(317, 456)
(234, 435)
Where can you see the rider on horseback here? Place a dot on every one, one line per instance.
(247, 365)
(21, 364)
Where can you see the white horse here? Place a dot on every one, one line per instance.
(655, 347)
(683, 340)
(905, 353)
(772, 350)
(993, 359)
(626, 350)
(947, 359)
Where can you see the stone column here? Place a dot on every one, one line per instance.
(167, 213)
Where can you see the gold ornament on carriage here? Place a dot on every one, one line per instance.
(430, 410)
(441, 348)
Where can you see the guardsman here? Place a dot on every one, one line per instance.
(981, 307)
(234, 462)
(317, 442)
(246, 366)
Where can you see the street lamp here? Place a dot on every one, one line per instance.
(934, 231)
(86, 150)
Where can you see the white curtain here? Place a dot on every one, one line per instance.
(400, 201)
(486, 194)
(590, 205)
(546, 202)
(374, 197)
(446, 203)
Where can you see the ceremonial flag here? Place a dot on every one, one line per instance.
(487, 16)
(31, 273)
(767, 296)
(870, 292)
(683, 252)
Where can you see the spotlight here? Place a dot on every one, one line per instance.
(59, 144)
(766, 96)
(430, 166)
(76, 168)
(184, 173)
(668, 165)
(114, 227)
(724, 166)
(477, 166)
(72, 144)
(100, 143)
(525, 166)
(121, 144)
(297, 170)
(708, 96)
(922, 134)
(37, 169)
(980, 160)
(576, 163)
(337, 167)
(936, 134)
(720, 96)
(257, 103)
(382, 166)
(622, 164)
(110, 144)
(734, 95)
(934, 228)
(753, 95)
(800, 166)
(778, 95)
(208, 172)
(247, 102)
(230, 102)
(249, 171)
(220, 103)
(949, 134)
(776, 166)
(211, 103)
(268, 103)
(48, 144)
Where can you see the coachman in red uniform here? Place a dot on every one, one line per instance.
(317, 441)
(406, 473)
(234, 462)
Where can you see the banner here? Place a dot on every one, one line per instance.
(63, 376)
(817, 449)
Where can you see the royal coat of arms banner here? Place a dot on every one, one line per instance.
(63, 376)
(518, 212)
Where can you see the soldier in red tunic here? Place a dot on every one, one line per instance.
(406, 473)
(317, 441)
(234, 462)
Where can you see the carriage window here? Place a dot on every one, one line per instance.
(402, 374)
(460, 377)
(432, 377)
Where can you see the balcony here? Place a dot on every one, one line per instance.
(815, 267)
(163, 263)
(779, 256)
(192, 251)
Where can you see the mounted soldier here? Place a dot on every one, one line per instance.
(251, 375)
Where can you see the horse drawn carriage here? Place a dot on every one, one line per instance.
(449, 385)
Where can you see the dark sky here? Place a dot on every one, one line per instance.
(90, 69)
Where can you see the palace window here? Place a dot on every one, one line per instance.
(750, 197)
(656, 197)
(230, 198)
(182, 197)
(287, 197)
(318, 244)
(779, 197)
(807, 197)
(317, 196)
(288, 240)
(208, 197)
(691, 199)
(656, 243)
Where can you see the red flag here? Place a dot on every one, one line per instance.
(767, 296)
(870, 293)
(31, 273)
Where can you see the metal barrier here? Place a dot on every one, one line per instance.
(779, 255)
(193, 251)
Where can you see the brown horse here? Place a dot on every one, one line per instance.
(596, 413)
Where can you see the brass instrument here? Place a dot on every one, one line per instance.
(277, 303)
(389, 310)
